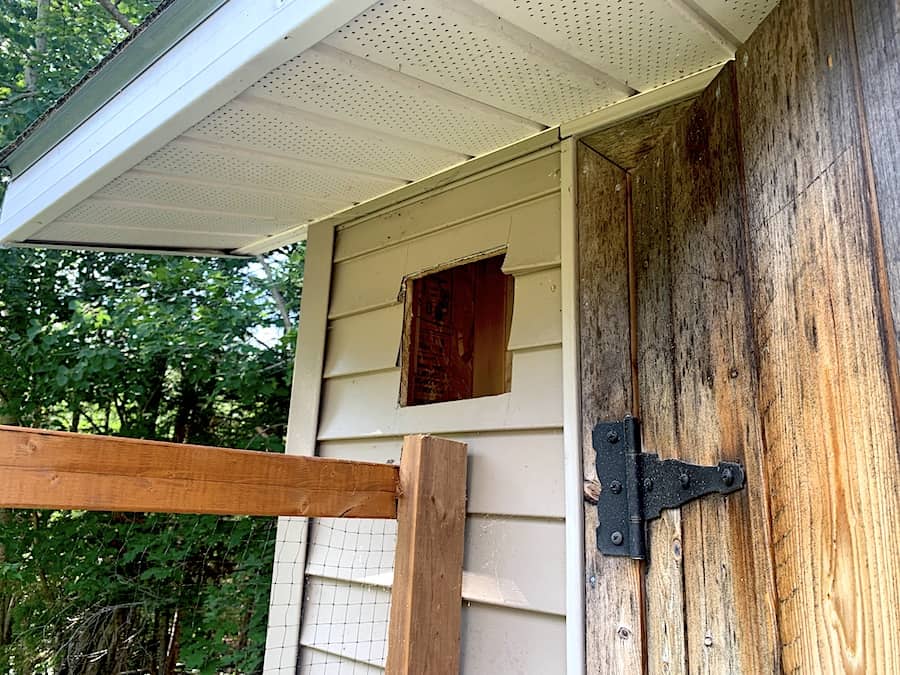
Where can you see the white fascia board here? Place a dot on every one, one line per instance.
(224, 55)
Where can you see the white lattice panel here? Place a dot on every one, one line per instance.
(645, 44)
(339, 85)
(277, 130)
(475, 56)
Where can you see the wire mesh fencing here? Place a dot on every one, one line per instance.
(342, 581)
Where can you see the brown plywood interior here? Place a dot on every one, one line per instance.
(458, 321)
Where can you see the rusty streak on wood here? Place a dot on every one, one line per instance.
(426, 598)
(824, 369)
(698, 397)
(613, 600)
(58, 470)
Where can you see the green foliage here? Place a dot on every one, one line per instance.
(100, 593)
(185, 349)
(180, 348)
(42, 58)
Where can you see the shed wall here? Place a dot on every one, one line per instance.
(514, 569)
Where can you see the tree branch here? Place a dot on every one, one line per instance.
(276, 294)
(120, 18)
(40, 44)
(18, 97)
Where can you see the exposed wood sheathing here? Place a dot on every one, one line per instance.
(513, 574)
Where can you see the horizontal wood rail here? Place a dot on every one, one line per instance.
(58, 470)
(427, 495)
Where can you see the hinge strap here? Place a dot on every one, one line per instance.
(635, 487)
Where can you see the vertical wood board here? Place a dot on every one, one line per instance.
(698, 384)
(876, 33)
(613, 604)
(426, 598)
(824, 396)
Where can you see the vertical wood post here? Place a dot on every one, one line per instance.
(426, 600)
(613, 592)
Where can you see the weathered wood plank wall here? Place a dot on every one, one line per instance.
(824, 342)
(876, 33)
(767, 257)
(697, 387)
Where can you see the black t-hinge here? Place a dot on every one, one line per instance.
(635, 487)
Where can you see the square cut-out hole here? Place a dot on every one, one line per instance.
(456, 332)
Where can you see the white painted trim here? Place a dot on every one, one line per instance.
(229, 51)
(283, 640)
(640, 104)
(192, 252)
(571, 390)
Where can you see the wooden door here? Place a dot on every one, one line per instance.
(736, 294)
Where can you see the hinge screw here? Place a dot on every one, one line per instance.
(727, 476)
(615, 487)
(685, 480)
(648, 485)
(616, 538)
(612, 437)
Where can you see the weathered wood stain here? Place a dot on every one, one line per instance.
(767, 253)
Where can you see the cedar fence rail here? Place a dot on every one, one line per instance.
(426, 494)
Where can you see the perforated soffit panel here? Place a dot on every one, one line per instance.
(406, 89)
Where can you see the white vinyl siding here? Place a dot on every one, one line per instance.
(514, 569)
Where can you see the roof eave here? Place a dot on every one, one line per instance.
(213, 61)
(131, 58)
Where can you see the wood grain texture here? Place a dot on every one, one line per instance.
(58, 470)
(697, 387)
(627, 143)
(613, 627)
(824, 394)
(664, 579)
(876, 34)
(426, 598)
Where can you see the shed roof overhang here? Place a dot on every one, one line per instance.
(227, 126)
